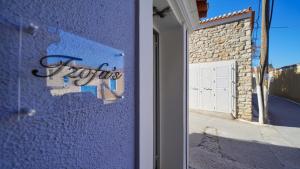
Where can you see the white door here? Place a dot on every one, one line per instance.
(212, 86)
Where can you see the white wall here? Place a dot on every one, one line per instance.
(172, 101)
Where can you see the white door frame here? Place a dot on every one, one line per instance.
(146, 90)
(146, 78)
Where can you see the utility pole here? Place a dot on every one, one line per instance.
(262, 85)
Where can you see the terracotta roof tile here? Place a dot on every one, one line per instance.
(225, 16)
(228, 17)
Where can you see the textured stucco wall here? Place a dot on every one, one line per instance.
(75, 130)
(227, 42)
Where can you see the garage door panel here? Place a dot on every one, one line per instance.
(193, 87)
(199, 85)
(222, 101)
(222, 71)
(222, 82)
(207, 77)
(215, 83)
(207, 94)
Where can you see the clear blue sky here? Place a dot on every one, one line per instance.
(92, 53)
(284, 42)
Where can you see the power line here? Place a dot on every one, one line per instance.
(257, 20)
(270, 20)
(257, 26)
(277, 27)
(271, 15)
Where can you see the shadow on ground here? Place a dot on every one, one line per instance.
(213, 152)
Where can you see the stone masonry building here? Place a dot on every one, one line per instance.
(228, 37)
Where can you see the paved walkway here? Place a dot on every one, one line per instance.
(218, 143)
(284, 112)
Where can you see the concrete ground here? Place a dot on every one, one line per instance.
(220, 143)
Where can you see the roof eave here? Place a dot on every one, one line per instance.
(187, 12)
(202, 7)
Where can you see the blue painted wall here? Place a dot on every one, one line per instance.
(75, 130)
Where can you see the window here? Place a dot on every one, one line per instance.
(113, 84)
(66, 81)
(92, 89)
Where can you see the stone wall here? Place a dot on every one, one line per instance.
(227, 42)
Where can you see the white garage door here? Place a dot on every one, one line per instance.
(212, 86)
